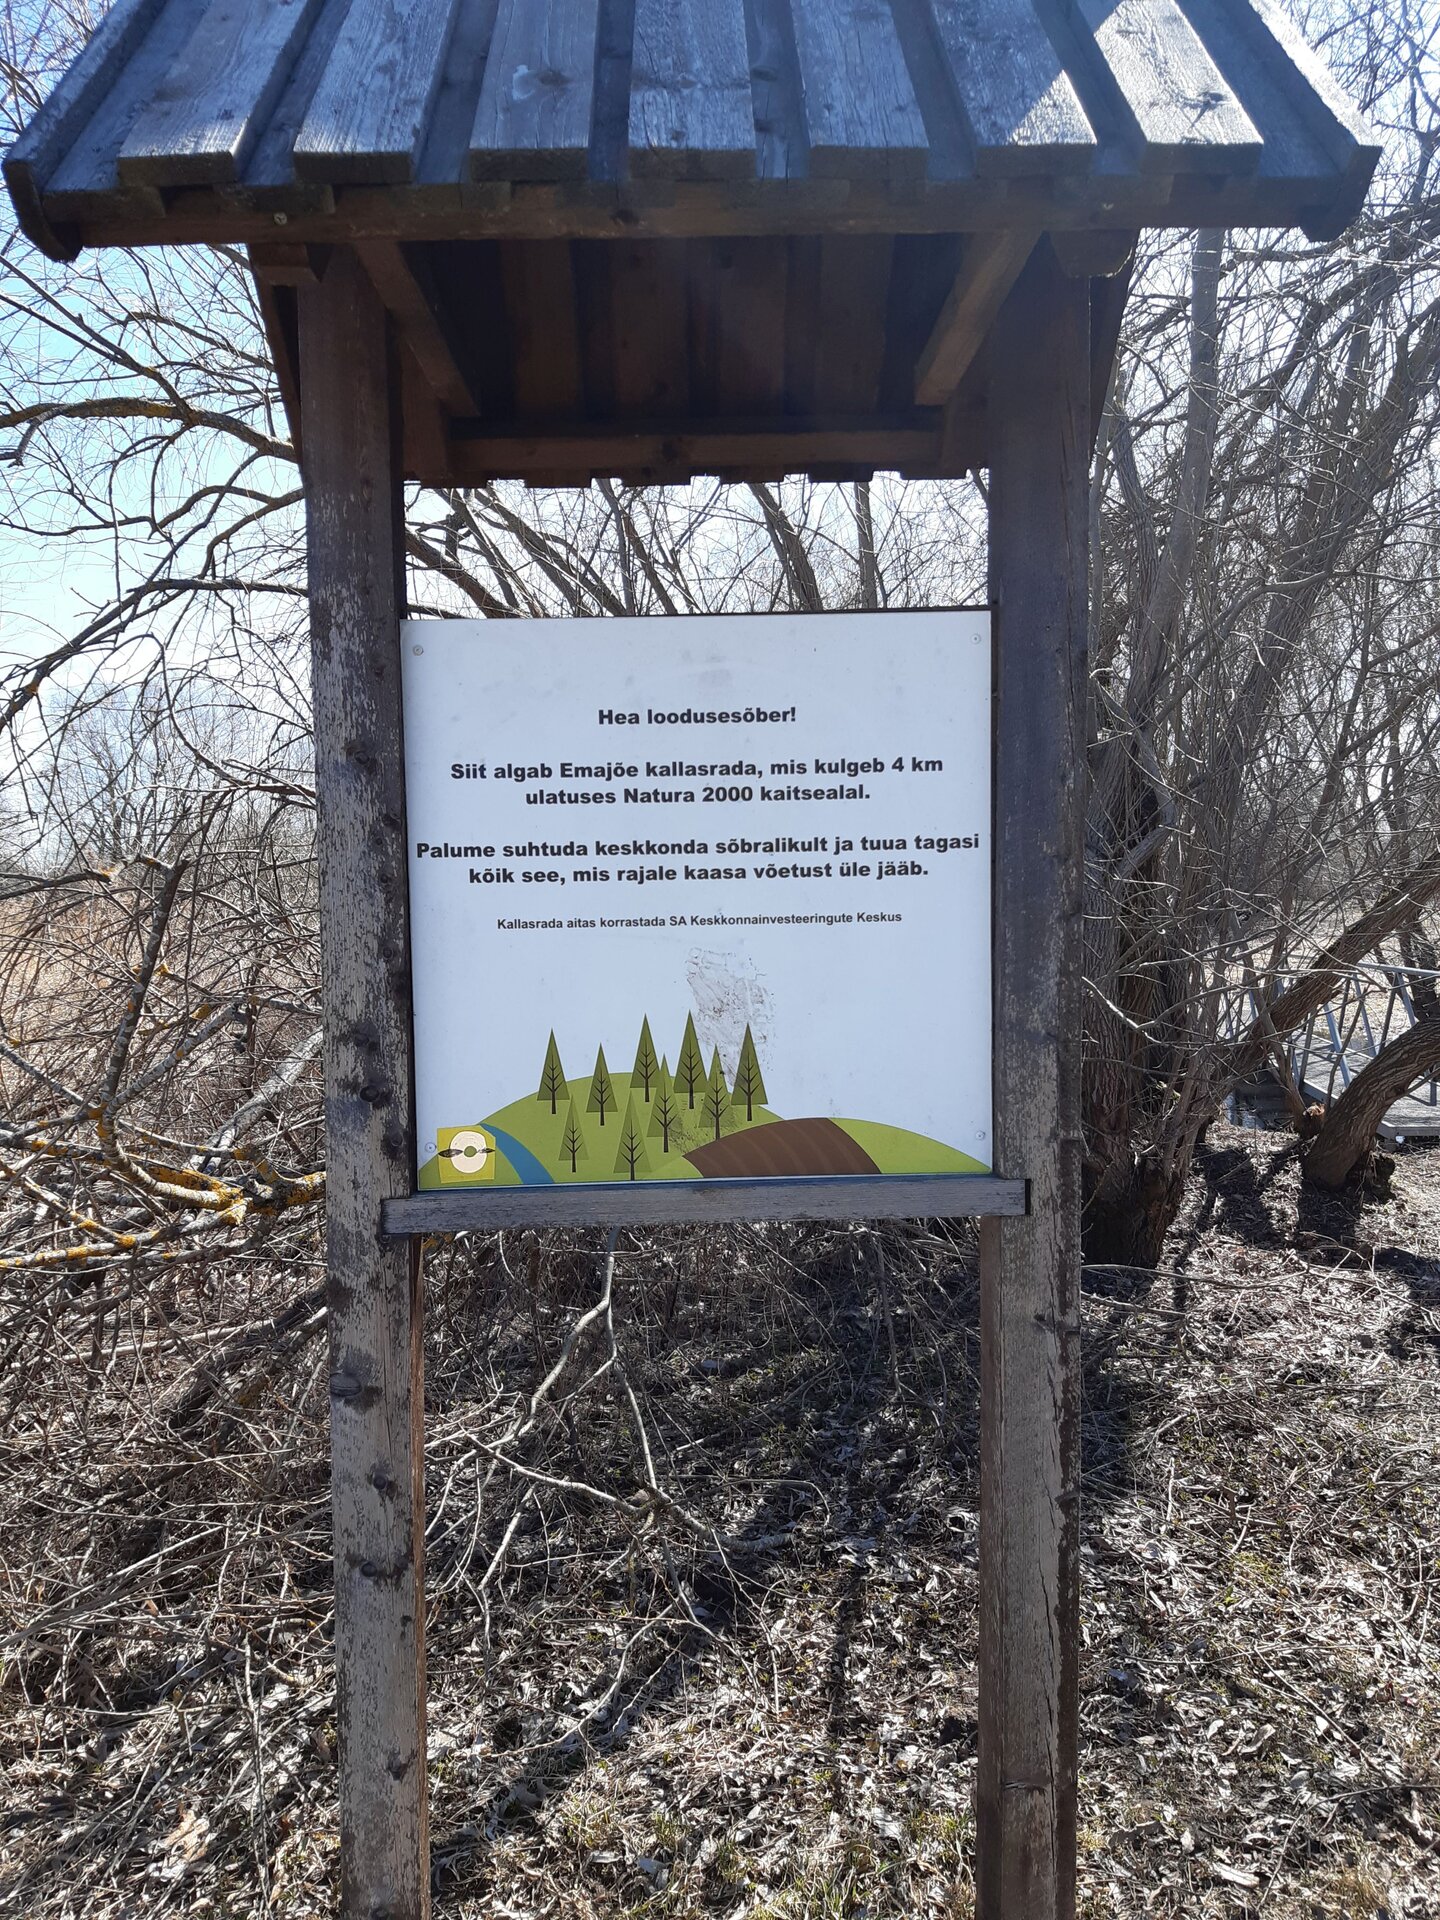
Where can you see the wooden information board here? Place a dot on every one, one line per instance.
(700, 906)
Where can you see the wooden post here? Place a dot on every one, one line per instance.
(354, 501)
(1030, 1267)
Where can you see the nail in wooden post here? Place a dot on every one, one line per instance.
(354, 501)
(1030, 1268)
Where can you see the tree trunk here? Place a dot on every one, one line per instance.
(1344, 1139)
(1130, 1205)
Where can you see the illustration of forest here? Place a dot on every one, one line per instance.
(691, 1120)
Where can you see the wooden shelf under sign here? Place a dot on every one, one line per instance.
(922, 1196)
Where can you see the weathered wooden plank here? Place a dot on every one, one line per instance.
(210, 109)
(751, 284)
(1336, 118)
(738, 291)
(1019, 105)
(590, 263)
(932, 1196)
(1030, 1269)
(34, 157)
(354, 506)
(542, 319)
(782, 152)
(1178, 104)
(426, 425)
(1311, 128)
(854, 302)
(1108, 295)
(922, 272)
(481, 452)
(537, 210)
(280, 319)
(861, 115)
(87, 173)
(1094, 253)
(401, 277)
(537, 98)
(269, 180)
(802, 323)
(371, 109)
(444, 163)
(465, 289)
(286, 263)
(691, 115)
(649, 337)
(989, 267)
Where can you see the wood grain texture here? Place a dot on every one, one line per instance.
(350, 408)
(690, 109)
(209, 111)
(782, 152)
(649, 329)
(181, 125)
(444, 163)
(1019, 105)
(1311, 127)
(933, 1196)
(280, 319)
(989, 267)
(34, 157)
(737, 326)
(1108, 295)
(1181, 108)
(861, 115)
(849, 343)
(89, 165)
(401, 277)
(537, 98)
(538, 280)
(481, 452)
(369, 114)
(269, 179)
(1030, 1269)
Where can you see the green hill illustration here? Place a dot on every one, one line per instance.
(658, 1123)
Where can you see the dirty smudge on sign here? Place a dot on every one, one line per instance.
(728, 995)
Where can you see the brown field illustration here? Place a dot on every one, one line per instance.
(782, 1148)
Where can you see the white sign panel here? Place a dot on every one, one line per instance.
(700, 898)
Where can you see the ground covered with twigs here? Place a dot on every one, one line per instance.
(702, 1619)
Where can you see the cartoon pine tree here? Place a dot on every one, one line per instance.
(716, 1103)
(749, 1081)
(552, 1075)
(690, 1069)
(646, 1066)
(602, 1092)
(572, 1140)
(664, 1108)
(631, 1159)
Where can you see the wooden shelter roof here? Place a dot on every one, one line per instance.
(780, 228)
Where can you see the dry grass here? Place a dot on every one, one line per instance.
(626, 1721)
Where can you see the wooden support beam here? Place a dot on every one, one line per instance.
(1030, 1268)
(989, 268)
(481, 452)
(406, 292)
(287, 263)
(1095, 253)
(350, 402)
(282, 336)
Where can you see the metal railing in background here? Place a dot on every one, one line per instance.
(1371, 1006)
